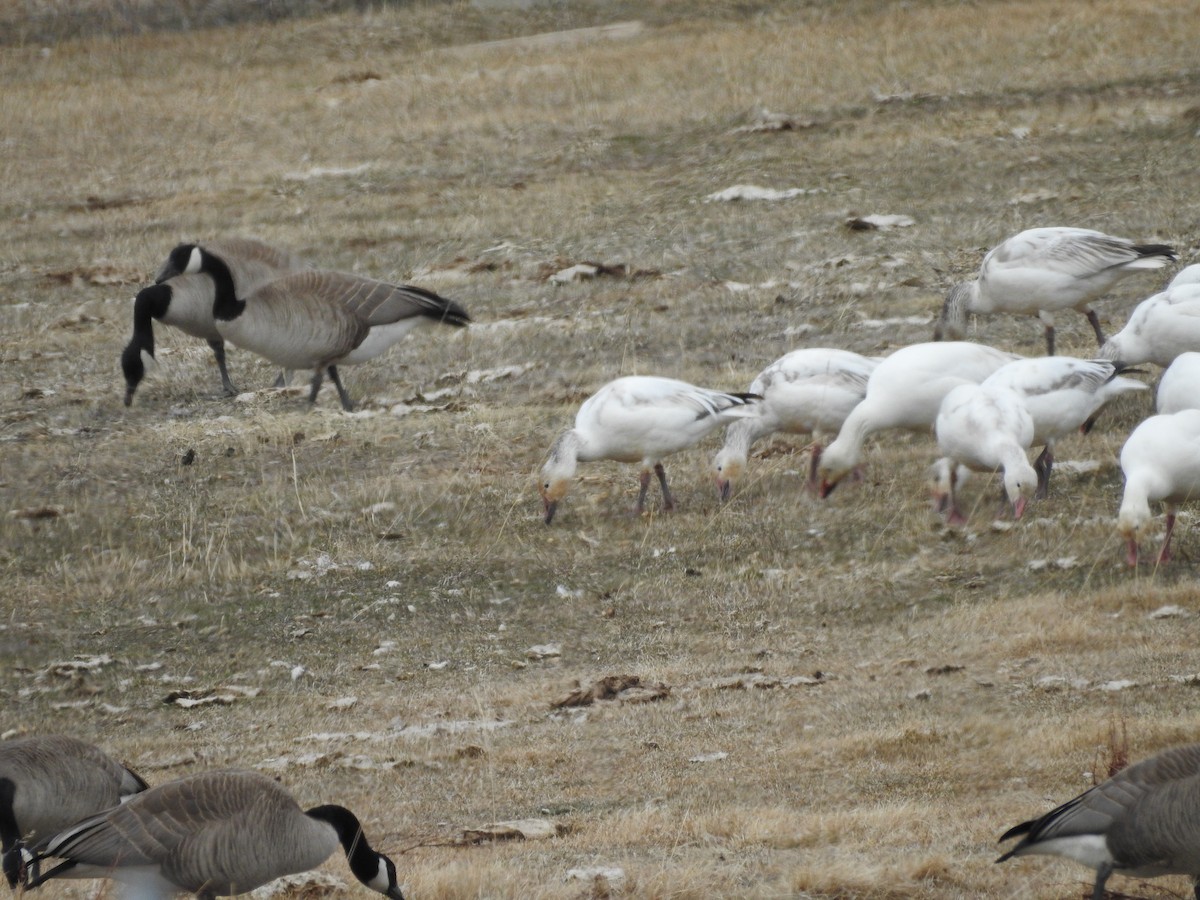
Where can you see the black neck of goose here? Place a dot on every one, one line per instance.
(151, 303)
(226, 305)
(364, 861)
(9, 832)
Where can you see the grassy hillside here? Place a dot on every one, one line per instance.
(838, 698)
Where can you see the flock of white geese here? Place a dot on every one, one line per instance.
(986, 407)
(67, 810)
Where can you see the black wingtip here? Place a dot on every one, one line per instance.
(1157, 250)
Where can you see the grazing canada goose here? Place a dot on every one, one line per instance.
(1160, 327)
(808, 391)
(1179, 387)
(315, 319)
(638, 418)
(905, 391)
(1142, 822)
(984, 429)
(1063, 394)
(1161, 461)
(215, 835)
(1043, 270)
(49, 782)
(187, 304)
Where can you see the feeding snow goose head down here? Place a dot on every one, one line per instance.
(905, 390)
(808, 391)
(637, 419)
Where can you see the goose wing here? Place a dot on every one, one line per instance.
(380, 303)
(1074, 252)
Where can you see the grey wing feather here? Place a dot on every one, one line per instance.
(380, 303)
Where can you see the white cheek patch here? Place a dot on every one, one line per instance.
(193, 265)
(148, 361)
(380, 882)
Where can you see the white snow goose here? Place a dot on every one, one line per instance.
(985, 429)
(1160, 327)
(637, 419)
(1044, 270)
(808, 391)
(1062, 395)
(1143, 822)
(1179, 387)
(906, 390)
(1161, 462)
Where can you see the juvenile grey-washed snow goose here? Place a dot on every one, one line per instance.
(1161, 462)
(215, 834)
(48, 782)
(1044, 270)
(808, 391)
(637, 419)
(906, 391)
(1143, 822)
(316, 319)
(186, 302)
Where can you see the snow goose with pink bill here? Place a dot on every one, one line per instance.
(1161, 462)
(1062, 395)
(1044, 270)
(985, 429)
(637, 419)
(808, 391)
(905, 391)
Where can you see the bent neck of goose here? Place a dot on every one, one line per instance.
(369, 866)
(739, 435)
(10, 834)
(962, 299)
(226, 305)
(151, 303)
(567, 450)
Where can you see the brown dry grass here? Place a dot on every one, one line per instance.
(962, 690)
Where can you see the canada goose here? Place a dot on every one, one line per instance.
(1062, 394)
(47, 783)
(1161, 461)
(906, 390)
(215, 834)
(315, 319)
(984, 429)
(808, 391)
(1043, 270)
(1142, 822)
(639, 418)
(187, 304)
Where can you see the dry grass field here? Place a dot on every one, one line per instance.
(839, 698)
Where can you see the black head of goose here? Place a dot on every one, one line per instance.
(314, 320)
(186, 303)
(48, 782)
(215, 834)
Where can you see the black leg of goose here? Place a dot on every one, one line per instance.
(218, 349)
(1042, 465)
(1049, 340)
(337, 383)
(284, 379)
(318, 377)
(1102, 874)
(1094, 321)
(668, 500)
